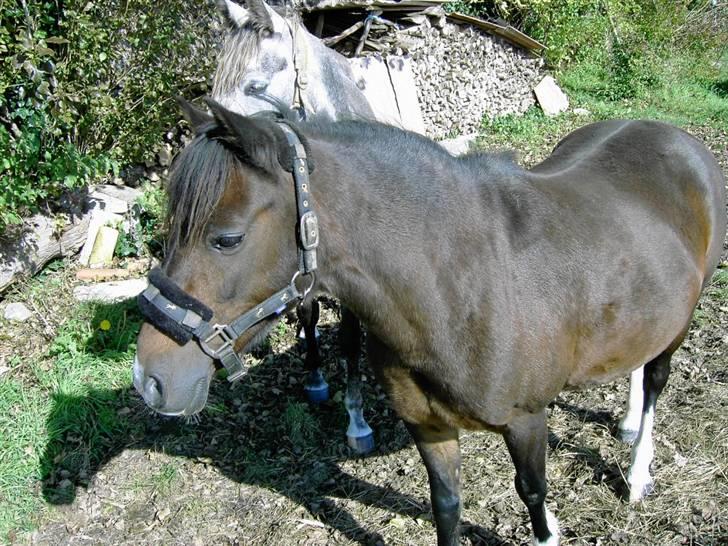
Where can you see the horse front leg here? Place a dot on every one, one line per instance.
(629, 425)
(316, 388)
(526, 439)
(440, 451)
(358, 434)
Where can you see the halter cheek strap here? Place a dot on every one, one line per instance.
(181, 317)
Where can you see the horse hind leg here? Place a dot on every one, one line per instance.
(629, 425)
(526, 439)
(639, 479)
(315, 387)
(358, 434)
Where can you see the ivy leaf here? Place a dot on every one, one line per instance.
(57, 40)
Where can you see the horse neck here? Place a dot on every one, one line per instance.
(371, 208)
(331, 89)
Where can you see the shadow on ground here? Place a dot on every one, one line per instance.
(258, 431)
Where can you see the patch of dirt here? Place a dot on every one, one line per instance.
(243, 474)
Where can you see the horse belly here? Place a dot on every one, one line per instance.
(633, 339)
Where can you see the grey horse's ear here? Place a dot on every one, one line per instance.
(256, 141)
(260, 16)
(194, 116)
(235, 14)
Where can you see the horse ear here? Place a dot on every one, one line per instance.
(263, 16)
(194, 116)
(235, 14)
(256, 141)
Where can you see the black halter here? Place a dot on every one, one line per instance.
(182, 317)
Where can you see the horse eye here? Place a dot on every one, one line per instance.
(227, 241)
(256, 87)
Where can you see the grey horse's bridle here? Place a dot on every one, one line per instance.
(182, 317)
(300, 82)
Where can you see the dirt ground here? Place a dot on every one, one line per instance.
(260, 466)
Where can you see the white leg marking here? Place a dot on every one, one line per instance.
(553, 525)
(629, 426)
(358, 427)
(638, 477)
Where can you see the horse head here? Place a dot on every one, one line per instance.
(257, 60)
(231, 246)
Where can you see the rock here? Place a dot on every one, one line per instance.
(110, 292)
(132, 175)
(582, 112)
(460, 145)
(17, 312)
(108, 203)
(123, 193)
(550, 97)
(164, 156)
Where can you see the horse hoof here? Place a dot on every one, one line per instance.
(638, 492)
(316, 387)
(627, 436)
(361, 445)
(316, 394)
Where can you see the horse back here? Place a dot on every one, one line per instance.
(657, 166)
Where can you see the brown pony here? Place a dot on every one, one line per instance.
(486, 289)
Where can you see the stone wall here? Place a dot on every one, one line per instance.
(463, 74)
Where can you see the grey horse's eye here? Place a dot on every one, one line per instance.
(227, 242)
(256, 87)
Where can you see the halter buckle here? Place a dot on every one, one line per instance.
(223, 332)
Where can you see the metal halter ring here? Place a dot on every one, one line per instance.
(310, 286)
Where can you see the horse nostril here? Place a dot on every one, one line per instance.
(153, 392)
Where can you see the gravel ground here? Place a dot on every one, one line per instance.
(261, 467)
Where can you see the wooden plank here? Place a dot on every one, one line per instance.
(377, 87)
(348, 32)
(405, 92)
(368, 4)
(508, 33)
(38, 245)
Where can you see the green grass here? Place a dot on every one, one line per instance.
(62, 407)
(718, 289)
(300, 425)
(161, 482)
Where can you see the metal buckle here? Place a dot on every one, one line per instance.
(221, 331)
(309, 231)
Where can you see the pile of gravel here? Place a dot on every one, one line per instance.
(463, 74)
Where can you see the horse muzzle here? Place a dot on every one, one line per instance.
(189, 398)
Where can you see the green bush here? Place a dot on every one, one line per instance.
(88, 86)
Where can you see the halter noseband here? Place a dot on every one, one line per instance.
(182, 317)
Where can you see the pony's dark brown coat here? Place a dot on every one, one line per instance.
(486, 289)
